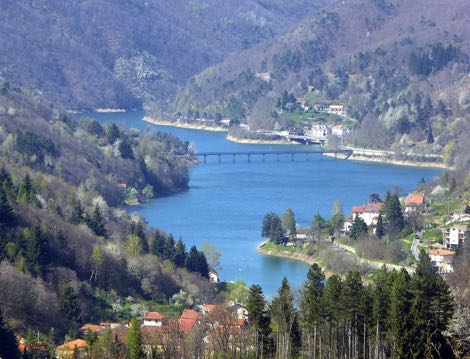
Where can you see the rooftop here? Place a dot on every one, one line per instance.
(415, 199)
(154, 316)
(440, 252)
(77, 343)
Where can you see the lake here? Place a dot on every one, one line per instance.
(226, 202)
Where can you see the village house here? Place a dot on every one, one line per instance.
(337, 110)
(414, 203)
(239, 310)
(453, 236)
(369, 212)
(153, 319)
(75, 349)
(347, 225)
(188, 320)
(340, 130)
(213, 276)
(442, 259)
(318, 130)
(92, 329)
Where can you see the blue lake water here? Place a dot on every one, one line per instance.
(226, 202)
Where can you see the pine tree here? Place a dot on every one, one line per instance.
(358, 229)
(112, 133)
(157, 245)
(37, 250)
(311, 306)
(6, 211)
(78, 214)
(258, 318)
(288, 221)
(318, 226)
(69, 304)
(393, 214)
(96, 223)
(380, 228)
(133, 246)
(134, 341)
(400, 320)
(8, 342)
(430, 138)
(179, 256)
(283, 316)
(432, 310)
(276, 231)
(169, 248)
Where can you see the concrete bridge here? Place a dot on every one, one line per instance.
(264, 154)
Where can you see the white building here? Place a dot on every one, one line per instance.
(213, 276)
(153, 319)
(454, 235)
(340, 130)
(369, 212)
(337, 110)
(442, 259)
(318, 131)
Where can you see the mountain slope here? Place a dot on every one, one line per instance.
(88, 54)
(381, 58)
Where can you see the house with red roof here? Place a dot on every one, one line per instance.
(73, 349)
(153, 319)
(414, 203)
(189, 319)
(369, 212)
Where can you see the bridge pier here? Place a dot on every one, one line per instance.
(220, 159)
(249, 157)
(205, 158)
(233, 158)
(263, 156)
(292, 157)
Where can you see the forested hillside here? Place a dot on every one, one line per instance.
(399, 66)
(68, 252)
(90, 54)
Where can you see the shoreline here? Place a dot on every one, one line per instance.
(387, 161)
(372, 264)
(190, 126)
(249, 141)
(372, 157)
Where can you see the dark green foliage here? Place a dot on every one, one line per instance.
(27, 192)
(37, 250)
(311, 306)
(78, 213)
(134, 341)
(179, 255)
(259, 319)
(430, 138)
(432, 310)
(96, 223)
(69, 304)
(8, 342)
(7, 216)
(157, 246)
(32, 144)
(380, 227)
(112, 133)
(92, 126)
(424, 62)
(358, 229)
(393, 214)
(272, 228)
(196, 262)
(125, 149)
(283, 315)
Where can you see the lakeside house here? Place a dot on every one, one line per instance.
(458, 217)
(369, 212)
(453, 236)
(318, 130)
(153, 319)
(442, 259)
(415, 203)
